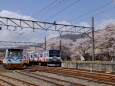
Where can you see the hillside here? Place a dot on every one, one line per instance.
(73, 37)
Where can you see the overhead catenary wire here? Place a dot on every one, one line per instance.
(39, 13)
(107, 10)
(44, 8)
(73, 4)
(53, 5)
(91, 11)
(63, 9)
(50, 8)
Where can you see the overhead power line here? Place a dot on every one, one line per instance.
(44, 8)
(36, 14)
(107, 10)
(91, 11)
(63, 9)
(52, 7)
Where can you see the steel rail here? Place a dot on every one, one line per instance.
(28, 83)
(7, 82)
(58, 79)
(91, 77)
(41, 79)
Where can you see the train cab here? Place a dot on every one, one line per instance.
(13, 58)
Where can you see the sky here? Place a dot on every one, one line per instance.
(76, 12)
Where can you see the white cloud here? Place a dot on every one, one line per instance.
(102, 24)
(6, 13)
(64, 22)
(18, 34)
(85, 24)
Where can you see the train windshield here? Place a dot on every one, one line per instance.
(53, 53)
(15, 53)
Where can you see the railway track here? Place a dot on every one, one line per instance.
(54, 79)
(56, 84)
(18, 80)
(51, 76)
(7, 82)
(100, 78)
(91, 71)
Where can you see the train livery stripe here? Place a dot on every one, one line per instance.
(15, 59)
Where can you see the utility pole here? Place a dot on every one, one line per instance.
(35, 47)
(45, 43)
(60, 44)
(60, 41)
(93, 45)
(60, 38)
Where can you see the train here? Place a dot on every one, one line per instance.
(16, 58)
(13, 58)
(45, 57)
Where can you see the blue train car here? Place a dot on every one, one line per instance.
(13, 58)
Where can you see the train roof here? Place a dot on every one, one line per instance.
(15, 49)
(4, 49)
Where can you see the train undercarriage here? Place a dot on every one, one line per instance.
(53, 64)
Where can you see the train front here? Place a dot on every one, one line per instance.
(13, 58)
(54, 58)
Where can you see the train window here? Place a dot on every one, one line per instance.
(41, 55)
(31, 56)
(15, 54)
(35, 55)
(54, 53)
(44, 54)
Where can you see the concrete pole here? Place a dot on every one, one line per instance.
(35, 46)
(60, 41)
(93, 45)
(45, 43)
